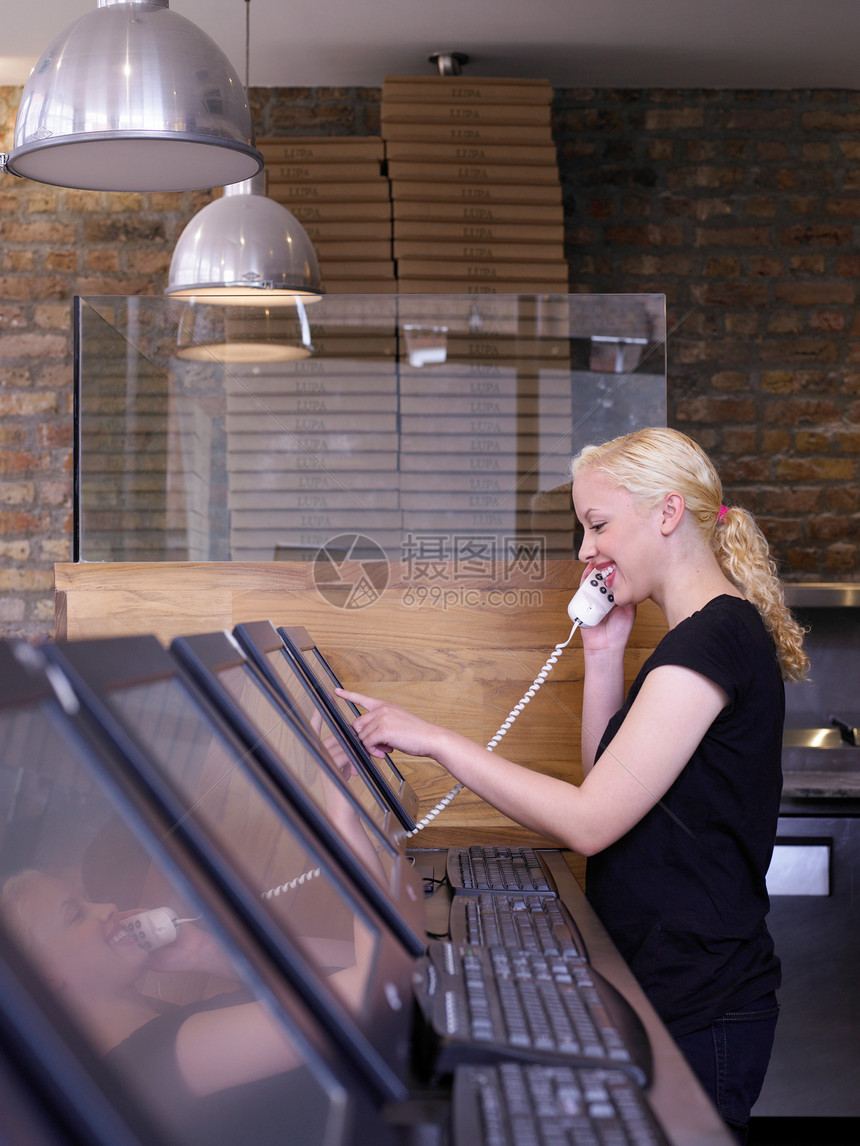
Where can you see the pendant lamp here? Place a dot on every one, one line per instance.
(244, 249)
(134, 97)
(241, 336)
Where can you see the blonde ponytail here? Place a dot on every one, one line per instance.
(653, 462)
(744, 556)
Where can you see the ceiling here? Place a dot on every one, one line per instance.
(572, 43)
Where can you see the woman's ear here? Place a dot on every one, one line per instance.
(671, 512)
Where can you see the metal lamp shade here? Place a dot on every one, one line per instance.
(244, 249)
(133, 97)
(243, 336)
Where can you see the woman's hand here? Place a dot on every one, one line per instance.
(193, 950)
(613, 632)
(385, 727)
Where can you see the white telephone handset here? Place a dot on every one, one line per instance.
(159, 926)
(154, 928)
(588, 606)
(591, 602)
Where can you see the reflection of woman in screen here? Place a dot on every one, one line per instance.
(200, 1064)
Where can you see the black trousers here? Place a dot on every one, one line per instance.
(730, 1059)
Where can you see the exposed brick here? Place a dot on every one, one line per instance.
(808, 264)
(828, 320)
(755, 120)
(661, 148)
(770, 151)
(716, 410)
(644, 236)
(29, 345)
(762, 206)
(801, 350)
(701, 209)
(674, 119)
(848, 207)
(27, 404)
(775, 441)
(770, 265)
(809, 442)
(839, 122)
(729, 294)
(842, 498)
(739, 441)
(818, 235)
(732, 237)
(817, 152)
(727, 266)
(814, 469)
(13, 230)
(743, 325)
(840, 558)
(716, 178)
(815, 293)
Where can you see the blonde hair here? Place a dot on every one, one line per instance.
(13, 891)
(653, 462)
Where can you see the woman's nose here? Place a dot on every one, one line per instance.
(103, 910)
(586, 550)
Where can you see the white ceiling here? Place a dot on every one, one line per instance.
(572, 43)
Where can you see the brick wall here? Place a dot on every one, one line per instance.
(743, 208)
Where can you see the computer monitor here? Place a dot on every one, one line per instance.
(283, 659)
(138, 1029)
(289, 891)
(324, 784)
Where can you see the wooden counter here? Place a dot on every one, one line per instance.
(459, 651)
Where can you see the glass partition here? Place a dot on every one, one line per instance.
(415, 428)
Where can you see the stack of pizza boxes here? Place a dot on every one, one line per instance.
(313, 443)
(484, 351)
(475, 188)
(336, 188)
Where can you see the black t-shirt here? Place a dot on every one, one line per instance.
(683, 893)
(282, 1109)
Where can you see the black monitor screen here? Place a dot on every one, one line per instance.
(317, 718)
(326, 679)
(182, 1033)
(243, 685)
(277, 863)
(325, 787)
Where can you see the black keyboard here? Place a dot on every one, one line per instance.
(516, 1105)
(483, 1004)
(528, 921)
(497, 869)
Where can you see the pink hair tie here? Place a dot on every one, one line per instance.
(722, 513)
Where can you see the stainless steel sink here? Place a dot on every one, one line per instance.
(806, 749)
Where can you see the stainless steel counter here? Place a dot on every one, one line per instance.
(815, 911)
(821, 785)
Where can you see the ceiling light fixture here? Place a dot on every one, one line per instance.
(239, 337)
(244, 248)
(133, 97)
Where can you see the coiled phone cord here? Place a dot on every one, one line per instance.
(273, 892)
(506, 725)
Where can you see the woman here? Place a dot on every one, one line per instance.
(679, 803)
(220, 1070)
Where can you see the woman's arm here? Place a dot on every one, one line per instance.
(230, 1046)
(669, 717)
(603, 648)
